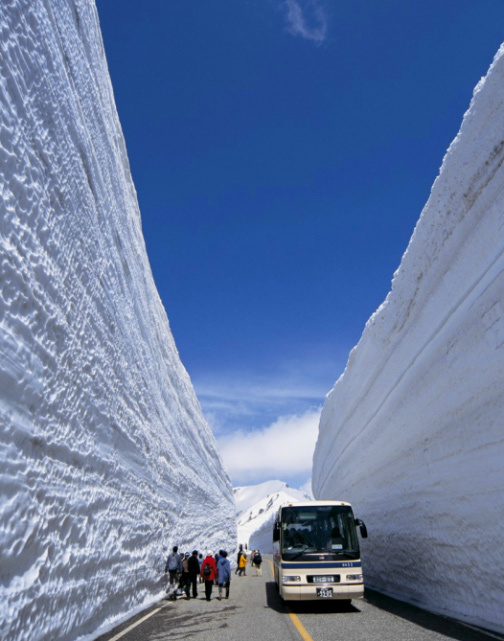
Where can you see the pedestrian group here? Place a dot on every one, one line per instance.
(186, 571)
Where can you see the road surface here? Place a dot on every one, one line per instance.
(255, 612)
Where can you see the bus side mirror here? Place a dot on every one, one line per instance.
(362, 526)
(276, 532)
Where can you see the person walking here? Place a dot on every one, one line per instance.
(242, 564)
(200, 560)
(240, 552)
(173, 563)
(223, 574)
(184, 576)
(216, 559)
(209, 573)
(194, 570)
(257, 560)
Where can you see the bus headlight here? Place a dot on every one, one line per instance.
(290, 579)
(354, 577)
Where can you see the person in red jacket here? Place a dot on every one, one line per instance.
(209, 573)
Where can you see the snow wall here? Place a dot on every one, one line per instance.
(105, 458)
(412, 433)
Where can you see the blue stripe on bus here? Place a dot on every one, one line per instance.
(308, 565)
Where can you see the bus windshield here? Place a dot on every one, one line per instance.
(318, 529)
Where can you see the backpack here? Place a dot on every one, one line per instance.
(257, 558)
(207, 570)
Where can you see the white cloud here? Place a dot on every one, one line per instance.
(306, 18)
(244, 400)
(266, 421)
(246, 404)
(283, 449)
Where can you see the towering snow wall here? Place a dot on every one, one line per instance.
(412, 432)
(105, 458)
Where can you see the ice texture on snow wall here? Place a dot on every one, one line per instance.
(412, 432)
(104, 453)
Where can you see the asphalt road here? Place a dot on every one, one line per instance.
(255, 612)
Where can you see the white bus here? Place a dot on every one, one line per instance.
(316, 551)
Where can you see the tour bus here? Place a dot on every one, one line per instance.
(316, 551)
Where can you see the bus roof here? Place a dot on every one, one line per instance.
(314, 503)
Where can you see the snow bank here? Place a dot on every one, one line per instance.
(412, 431)
(105, 457)
(256, 507)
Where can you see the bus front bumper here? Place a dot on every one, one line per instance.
(311, 592)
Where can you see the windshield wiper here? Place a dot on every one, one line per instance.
(350, 553)
(303, 551)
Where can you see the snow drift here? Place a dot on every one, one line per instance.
(412, 431)
(105, 458)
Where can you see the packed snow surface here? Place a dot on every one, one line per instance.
(256, 506)
(105, 458)
(412, 433)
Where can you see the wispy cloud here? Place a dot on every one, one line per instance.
(281, 450)
(266, 420)
(307, 19)
(244, 402)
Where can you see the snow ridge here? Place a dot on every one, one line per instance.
(105, 457)
(256, 506)
(412, 431)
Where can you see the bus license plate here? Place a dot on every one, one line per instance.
(324, 593)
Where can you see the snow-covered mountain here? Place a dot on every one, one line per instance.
(105, 458)
(412, 432)
(256, 506)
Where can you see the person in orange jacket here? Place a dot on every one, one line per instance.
(209, 573)
(242, 564)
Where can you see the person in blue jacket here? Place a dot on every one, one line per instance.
(173, 566)
(224, 574)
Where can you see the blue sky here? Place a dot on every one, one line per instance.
(282, 151)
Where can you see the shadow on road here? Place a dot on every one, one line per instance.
(427, 620)
(273, 599)
(179, 626)
(274, 602)
(172, 624)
